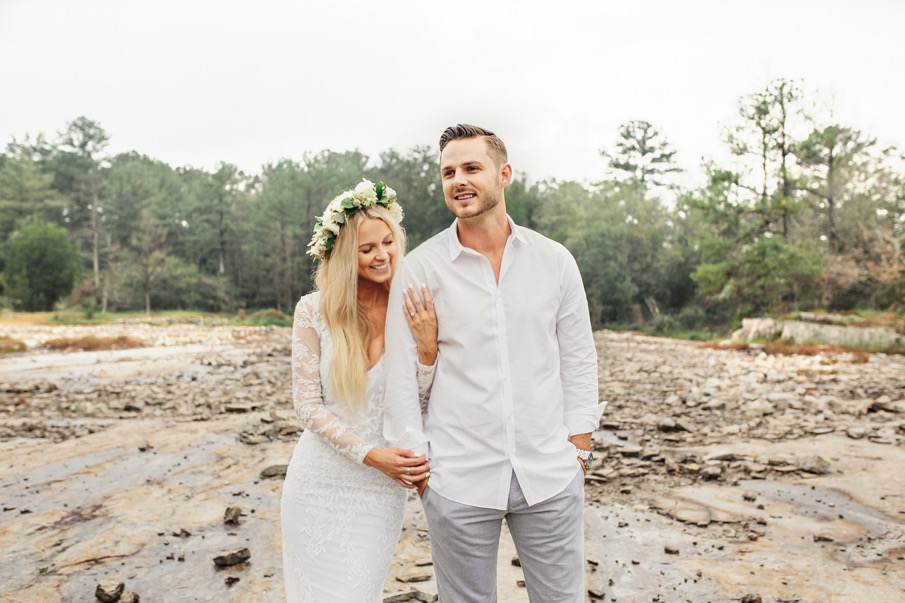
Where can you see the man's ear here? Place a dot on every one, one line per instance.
(505, 175)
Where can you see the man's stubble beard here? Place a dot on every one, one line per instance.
(487, 203)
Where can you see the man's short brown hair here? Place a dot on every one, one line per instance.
(495, 146)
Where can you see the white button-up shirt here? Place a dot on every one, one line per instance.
(516, 375)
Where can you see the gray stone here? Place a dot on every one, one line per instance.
(231, 515)
(712, 472)
(798, 331)
(232, 558)
(109, 591)
(631, 450)
(275, 471)
(414, 576)
(814, 464)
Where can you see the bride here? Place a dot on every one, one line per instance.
(341, 511)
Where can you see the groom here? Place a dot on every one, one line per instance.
(514, 399)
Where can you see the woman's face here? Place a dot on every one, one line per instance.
(376, 249)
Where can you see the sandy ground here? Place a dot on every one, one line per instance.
(141, 499)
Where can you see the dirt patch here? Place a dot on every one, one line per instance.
(9, 345)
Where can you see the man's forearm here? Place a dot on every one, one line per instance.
(581, 440)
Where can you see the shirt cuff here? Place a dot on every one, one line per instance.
(584, 420)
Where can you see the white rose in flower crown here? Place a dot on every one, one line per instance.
(317, 251)
(335, 206)
(396, 211)
(364, 186)
(331, 225)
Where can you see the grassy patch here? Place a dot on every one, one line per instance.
(265, 318)
(672, 333)
(92, 344)
(9, 345)
(76, 317)
(692, 334)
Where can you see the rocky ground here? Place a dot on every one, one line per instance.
(722, 475)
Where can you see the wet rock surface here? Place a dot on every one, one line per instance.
(720, 475)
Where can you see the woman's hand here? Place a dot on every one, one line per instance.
(399, 464)
(422, 321)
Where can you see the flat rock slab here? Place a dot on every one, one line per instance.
(96, 508)
(786, 486)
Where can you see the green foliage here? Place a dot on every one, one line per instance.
(183, 286)
(267, 317)
(606, 270)
(642, 155)
(25, 192)
(768, 276)
(806, 214)
(41, 265)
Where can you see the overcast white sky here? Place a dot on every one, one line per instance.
(194, 82)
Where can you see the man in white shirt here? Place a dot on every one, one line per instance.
(514, 399)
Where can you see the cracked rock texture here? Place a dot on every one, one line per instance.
(721, 475)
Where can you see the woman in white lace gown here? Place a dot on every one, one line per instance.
(344, 493)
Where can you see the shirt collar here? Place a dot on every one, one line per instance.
(456, 247)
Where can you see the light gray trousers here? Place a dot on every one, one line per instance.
(548, 537)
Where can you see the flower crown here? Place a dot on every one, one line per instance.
(343, 207)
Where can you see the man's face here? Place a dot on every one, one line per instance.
(472, 183)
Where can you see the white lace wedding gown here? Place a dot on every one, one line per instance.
(340, 518)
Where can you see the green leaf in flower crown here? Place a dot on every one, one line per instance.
(379, 189)
(348, 203)
(329, 238)
(339, 217)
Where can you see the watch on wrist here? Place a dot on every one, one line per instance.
(586, 457)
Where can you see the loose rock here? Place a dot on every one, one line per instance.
(275, 471)
(233, 558)
(231, 515)
(109, 591)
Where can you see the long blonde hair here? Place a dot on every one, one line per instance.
(337, 280)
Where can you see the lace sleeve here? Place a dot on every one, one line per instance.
(425, 383)
(307, 391)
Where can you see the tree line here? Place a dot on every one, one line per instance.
(807, 213)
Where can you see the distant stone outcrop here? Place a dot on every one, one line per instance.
(819, 329)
